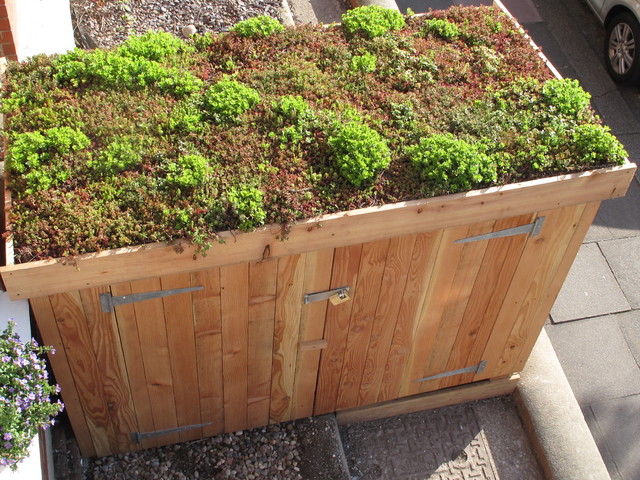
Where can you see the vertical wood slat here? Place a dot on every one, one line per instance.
(178, 318)
(429, 319)
(127, 325)
(110, 361)
(286, 336)
(317, 278)
(393, 285)
(498, 267)
(43, 313)
(262, 312)
(155, 354)
(518, 300)
(208, 344)
(553, 288)
(235, 324)
(557, 261)
(72, 325)
(423, 259)
(365, 299)
(455, 303)
(345, 273)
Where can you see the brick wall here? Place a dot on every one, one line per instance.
(8, 29)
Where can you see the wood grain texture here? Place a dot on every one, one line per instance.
(46, 320)
(72, 325)
(152, 334)
(207, 317)
(346, 264)
(286, 337)
(365, 299)
(127, 325)
(423, 259)
(349, 228)
(317, 278)
(498, 266)
(263, 277)
(234, 281)
(178, 318)
(110, 362)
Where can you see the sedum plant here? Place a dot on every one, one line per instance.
(257, 27)
(25, 395)
(225, 101)
(372, 21)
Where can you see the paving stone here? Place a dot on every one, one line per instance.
(622, 215)
(615, 112)
(590, 289)
(442, 444)
(623, 256)
(619, 421)
(523, 10)
(601, 442)
(542, 36)
(629, 324)
(596, 359)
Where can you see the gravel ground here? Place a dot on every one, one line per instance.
(264, 453)
(105, 23)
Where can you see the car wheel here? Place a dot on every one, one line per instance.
(622, 48)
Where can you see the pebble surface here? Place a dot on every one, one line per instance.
(264, 453)
(105, 23)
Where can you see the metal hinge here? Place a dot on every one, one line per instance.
(473, 369)
(341, 293)
(532, 229)
(138, 437)
(108, 301)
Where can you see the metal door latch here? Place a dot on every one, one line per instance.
(336, 296)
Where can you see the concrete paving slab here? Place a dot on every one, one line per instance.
(446, 443)
(619, 421)
(632, 143)
(523, 10)
(621, 216)
(590, 289)
(629, 324)
(623, 256)
(596, 359)
(542, 36)
(616, 113)
(601, 442)
(317, 11)
(598, 231)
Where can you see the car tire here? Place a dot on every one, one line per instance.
(622, 48)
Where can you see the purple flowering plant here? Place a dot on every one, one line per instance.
(25, 395)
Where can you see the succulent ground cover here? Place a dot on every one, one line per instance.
(162, 139)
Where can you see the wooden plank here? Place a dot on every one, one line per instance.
(234, 282)
(345, 273)
(547, 284)
(348, 228)
(365, 299)
(208, 335)
(113, 372)
(423, 259)
(178, 317)
(262, 313)
(394, 280)
(72, 325)
(430, 317)
(518, 301)
(498, 266)
(317, 278)
(127, 326)
(43, 313)
(152, 334)
(286, 337)
(427, 401)
(311, 345)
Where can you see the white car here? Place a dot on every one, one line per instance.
(622, 40)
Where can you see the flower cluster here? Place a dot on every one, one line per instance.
(25, 403)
